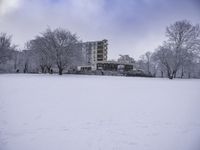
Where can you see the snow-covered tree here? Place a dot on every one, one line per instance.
(44, 53)
(56, 47)
(6, 48)
(126, 59)
(147, 64)
(183, 41)
(62, 44)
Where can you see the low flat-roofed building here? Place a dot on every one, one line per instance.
(113, 66)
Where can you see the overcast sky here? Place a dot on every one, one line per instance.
(131, 26)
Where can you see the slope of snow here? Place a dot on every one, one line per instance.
(72, 112)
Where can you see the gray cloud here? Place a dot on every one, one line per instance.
(132, 27)
(7, 6)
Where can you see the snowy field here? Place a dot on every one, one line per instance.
(72, 112)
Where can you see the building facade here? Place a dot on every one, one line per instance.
(95, 58)
(95, 51)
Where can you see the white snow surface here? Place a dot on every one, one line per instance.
(74, 112)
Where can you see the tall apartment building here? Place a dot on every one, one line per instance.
(94, 52)
(95, 58)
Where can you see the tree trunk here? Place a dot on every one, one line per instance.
(162, 74)
(174, 74)
(25, 68)
(49, 69)
(189, 75)
(182, 73)
(170, 76)
(60, 71)
(42, 68)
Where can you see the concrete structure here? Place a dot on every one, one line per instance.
(95, 58)
(95, 51)
(113, 66)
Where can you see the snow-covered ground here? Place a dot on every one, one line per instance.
(72, 112)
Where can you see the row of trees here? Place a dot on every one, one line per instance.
(52, 50)
(179, 56)
(56, 50)
(5, 48)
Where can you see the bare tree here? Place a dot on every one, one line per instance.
(44, 53)
(126, 59)
(56, 47)
(147, 64)
(147, 59)
(165, 58)
(183, 41)
(16, 60)
(6, 48)
(25, 61)
(62, 43)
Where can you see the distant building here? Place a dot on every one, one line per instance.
(95, 58)
(95, 51)
(113, 66)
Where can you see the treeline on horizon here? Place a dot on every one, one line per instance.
(60, 50)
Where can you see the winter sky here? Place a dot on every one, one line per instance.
(131, 26)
